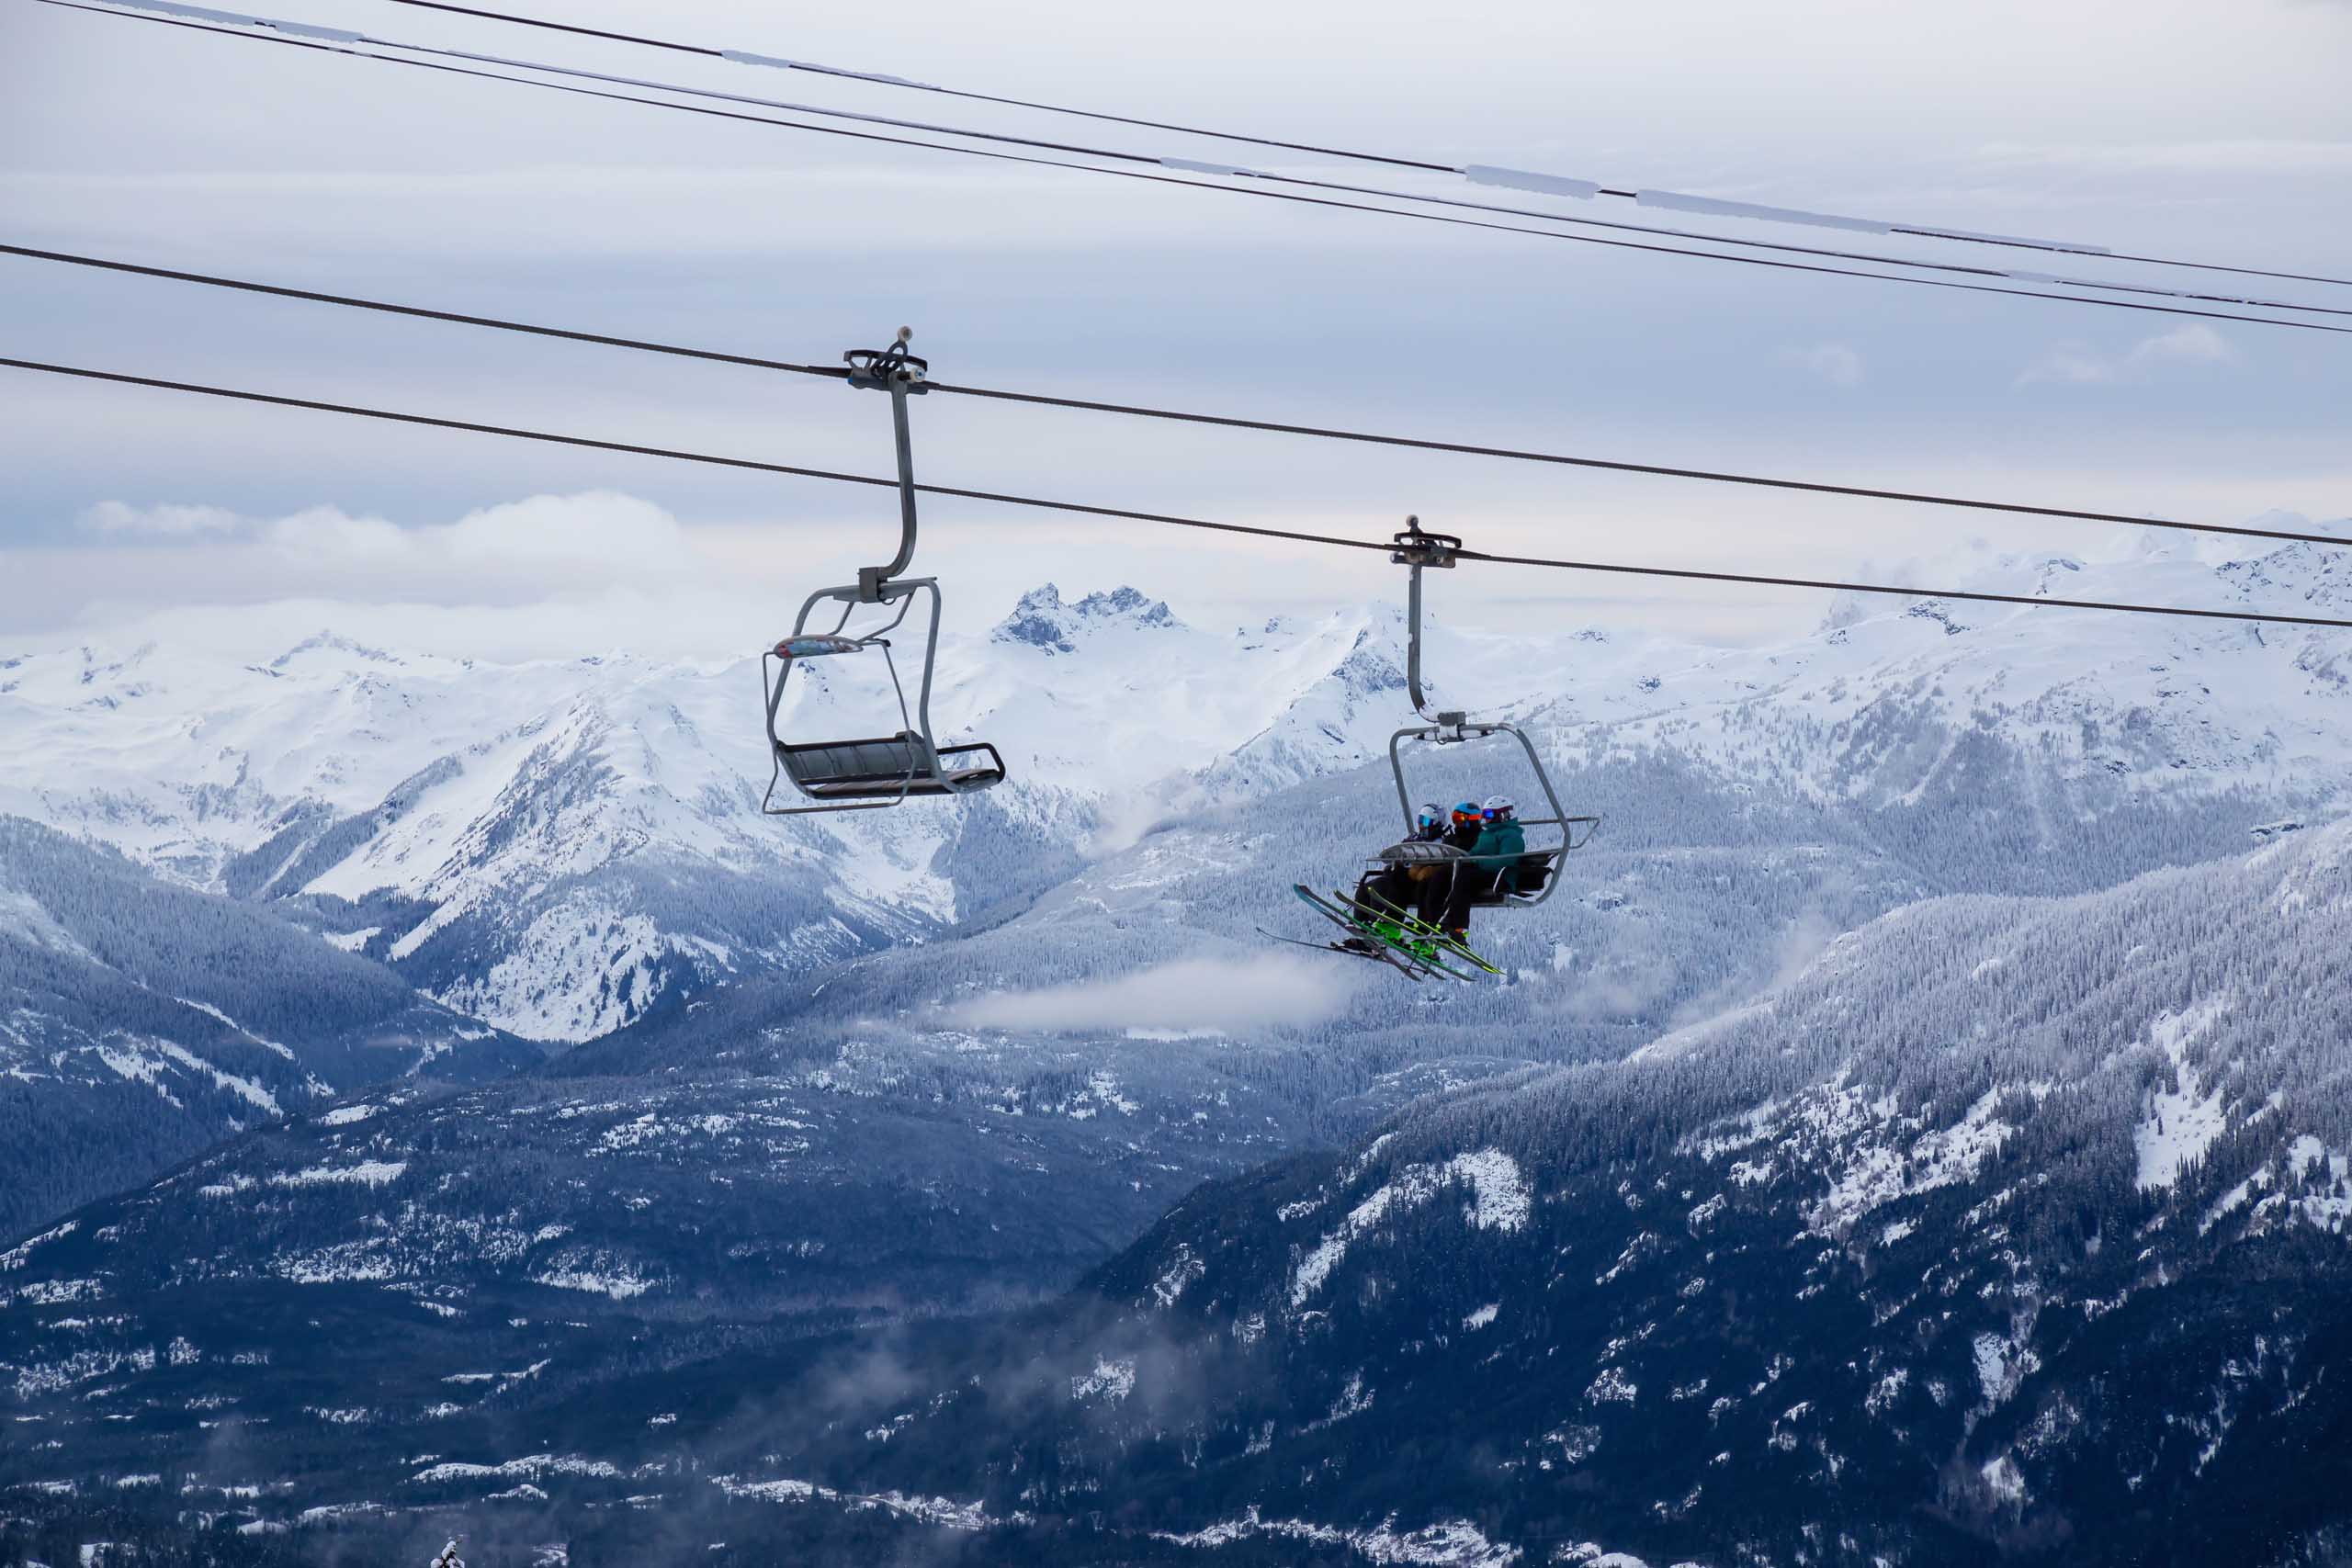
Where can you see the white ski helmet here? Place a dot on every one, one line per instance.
(1498, 805)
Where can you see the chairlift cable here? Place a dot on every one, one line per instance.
(1121, 155)
(1352, 154)
(1161, 178)
(1271, 177)
(1832, 585)
(635, 449)
(1084, 509)
(1659, 470)
(1104, 116)
(1234, 422)
(423, 313)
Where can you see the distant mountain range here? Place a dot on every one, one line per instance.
(557, 847)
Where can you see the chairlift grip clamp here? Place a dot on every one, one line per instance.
(891, 369)
(898, 373)
(1415, 548)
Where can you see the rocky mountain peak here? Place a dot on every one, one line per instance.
(1043, 620)
(332, 642)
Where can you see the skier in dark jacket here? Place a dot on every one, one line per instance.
(1420, 889)
(1493, 863)
(1394, 888)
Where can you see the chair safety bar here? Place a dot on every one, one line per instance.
(1537, 867)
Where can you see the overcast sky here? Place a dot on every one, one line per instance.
(2180, 126)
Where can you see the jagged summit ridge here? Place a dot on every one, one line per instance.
(1042, 620)
(324, 641)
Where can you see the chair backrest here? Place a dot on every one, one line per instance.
(1535, 870)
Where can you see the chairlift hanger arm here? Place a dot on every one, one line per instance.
(1416, 549)
(900, 374)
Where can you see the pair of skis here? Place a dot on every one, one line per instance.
(1415, 952)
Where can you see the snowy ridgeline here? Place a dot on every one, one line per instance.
(558, 848)
(555, 847)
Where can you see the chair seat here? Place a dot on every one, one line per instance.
(955, 781)
(888, 767)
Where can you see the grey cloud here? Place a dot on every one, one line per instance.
(1191, 994)
(167, 521)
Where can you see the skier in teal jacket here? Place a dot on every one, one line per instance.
(1493, 863)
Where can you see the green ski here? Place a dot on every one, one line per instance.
(1426, 963)
(1418, 929)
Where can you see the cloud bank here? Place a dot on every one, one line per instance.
(2077, 364)
(1193, 995)
(166, 522)
(1835, 363)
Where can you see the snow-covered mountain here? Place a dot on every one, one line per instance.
(1891, 702)
(141, 1022)
(2008, 1228)
(939, 1071)
(555, 847)
(561, 847)
(566, 847)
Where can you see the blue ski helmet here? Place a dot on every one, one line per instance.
(1466, 811)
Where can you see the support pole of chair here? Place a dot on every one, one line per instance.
(898, 373)
(905, 484)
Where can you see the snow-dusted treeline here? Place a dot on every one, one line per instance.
(141, 1022)
(2008, 1228)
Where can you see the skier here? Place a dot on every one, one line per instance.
(1393, 888)
(1493, 863)
(1398, 911)
(1422, 889)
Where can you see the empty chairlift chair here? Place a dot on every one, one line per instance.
(886, 770)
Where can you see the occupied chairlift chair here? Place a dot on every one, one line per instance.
(1539, 867)
(868, 775)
